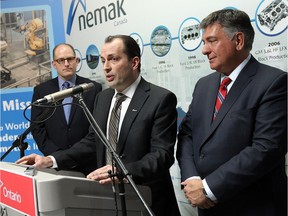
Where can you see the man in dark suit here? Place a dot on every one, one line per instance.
(233, 160)
(147, 128)
(57, 132)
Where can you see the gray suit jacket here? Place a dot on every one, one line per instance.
(241, 154)
(146, 142)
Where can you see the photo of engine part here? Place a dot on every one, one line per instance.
(161, 41)
(273, 13)
(190, 33)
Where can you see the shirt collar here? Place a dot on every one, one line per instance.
(233, 76)
(72, 81)
(129, 92)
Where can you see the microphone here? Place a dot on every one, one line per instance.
(65, 93)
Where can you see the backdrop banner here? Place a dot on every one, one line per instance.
(169, 38)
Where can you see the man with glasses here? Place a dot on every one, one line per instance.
(66, 126)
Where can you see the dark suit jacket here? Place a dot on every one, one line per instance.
(55, 134)
(242, 152)
(146, 142)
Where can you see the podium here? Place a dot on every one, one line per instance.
(62, 193)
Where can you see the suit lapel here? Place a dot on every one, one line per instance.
(79, 80)
(75, 100)
(139, 98)
(242, 81)
(206, 101)
(213, 85)
(60, 110)
(104, 108)
(101, 117)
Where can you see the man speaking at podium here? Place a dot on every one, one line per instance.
(142, 127)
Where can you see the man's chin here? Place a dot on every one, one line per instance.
(111, 84)
(213, 66)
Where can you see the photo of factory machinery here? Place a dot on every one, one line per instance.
(25, 58)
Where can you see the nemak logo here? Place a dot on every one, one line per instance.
(96, 17)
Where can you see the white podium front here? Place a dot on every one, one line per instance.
(62, 193)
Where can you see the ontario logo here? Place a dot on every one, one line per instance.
(95, 17)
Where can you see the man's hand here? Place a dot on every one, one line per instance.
(193, 189)
(102, 174)
(37, 161)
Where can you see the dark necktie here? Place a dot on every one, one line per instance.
(66, 101)
(222, 92)
(114, 124)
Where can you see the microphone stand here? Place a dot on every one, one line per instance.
(19, 142)
(123, 171)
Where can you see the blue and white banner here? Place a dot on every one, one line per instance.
(28, 30)
(166, 31)
(170, 40)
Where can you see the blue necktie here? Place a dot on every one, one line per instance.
(66, 101)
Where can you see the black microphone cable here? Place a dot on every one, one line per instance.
(112, 175)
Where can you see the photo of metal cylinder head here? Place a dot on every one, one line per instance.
(190, 33)
(273, 13)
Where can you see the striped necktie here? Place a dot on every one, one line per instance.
(66, 101)
(222, 92)
(114, 124)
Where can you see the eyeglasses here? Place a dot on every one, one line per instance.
(70, 60)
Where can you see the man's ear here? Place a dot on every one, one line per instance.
(239, 40)
(135, 63)
(54, 64)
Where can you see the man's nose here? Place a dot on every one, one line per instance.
(205, 49)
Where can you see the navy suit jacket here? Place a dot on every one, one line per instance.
(241, 154)
(146, 142)
(55, 134)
